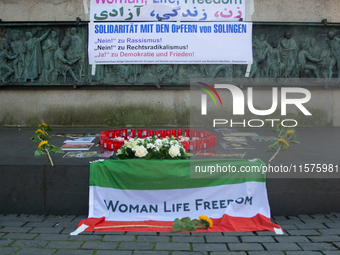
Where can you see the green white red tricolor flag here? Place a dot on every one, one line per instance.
(154, 193)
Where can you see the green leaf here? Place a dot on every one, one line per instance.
(177, 225)
(191, 226)
(186, 220)
(39, 152)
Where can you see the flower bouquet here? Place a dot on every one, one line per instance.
(152, 148)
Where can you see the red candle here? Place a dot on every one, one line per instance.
(105, 141)
(185, 145)
(133, 133)
(140, 133)
(112, 133)
(192, 132)
(163, 133)
(118, 133)
(157, 133)
(110, 144)
(204, 143)
(124, 133)
(145, 132)
(115, 145)
(198, 133)
(120, 144)
(192, 145)
(152, 133)
(179, 132)
(168, 132)
(107, 132)
(187, 132)
(174, 132)
(198, 144)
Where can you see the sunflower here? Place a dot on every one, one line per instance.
(290, 132)
(42, 143)
(43, 124)
(283, 141)
(40, 131)
(205, 221)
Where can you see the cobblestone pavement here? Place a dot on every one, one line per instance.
(47, 235)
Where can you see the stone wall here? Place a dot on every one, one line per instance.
(142, 107)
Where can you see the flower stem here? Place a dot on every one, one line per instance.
(131, 226)
(48, 154)
(274, 155)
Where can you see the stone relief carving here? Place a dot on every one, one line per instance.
(57, 55)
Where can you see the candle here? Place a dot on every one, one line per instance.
(120, 144)
(192, 145)
(168, 132)
(198, 144)
(163, 133)
(110, 144)
(145, 132)
(185, 145)
(158, 133)
(174, 132)
(179, 132)
(124, 133)
(115, 145)
(118, 133)
(105, 141)
(187, 132)
(133, 133)
(192, 132)
(140, 133)
(152, 133)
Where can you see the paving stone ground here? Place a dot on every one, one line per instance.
(39, 235)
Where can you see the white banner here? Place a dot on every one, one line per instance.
(237, 200)
(170, 10)
(170, 43)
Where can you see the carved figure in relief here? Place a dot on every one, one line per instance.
(33, 56)
(62, 65)
(260, 46)
(303, 65)
(275, 66)
(166, 72)
(49, 47)
(288, 54)
(227, 68)
(313, 49)
(3, 61)
(19, 62)
(334, 46)
(76, 50)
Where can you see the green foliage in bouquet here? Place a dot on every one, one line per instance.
(285, 137)
(152, 148)
(41, 136)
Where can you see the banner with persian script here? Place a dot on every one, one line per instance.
(167, 10)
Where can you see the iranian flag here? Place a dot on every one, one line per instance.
(147, 195)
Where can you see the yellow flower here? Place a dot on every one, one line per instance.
(209, 220)
(42, 143)
(43, 124)
(283, 141)
(40, 131)
(290, 132)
